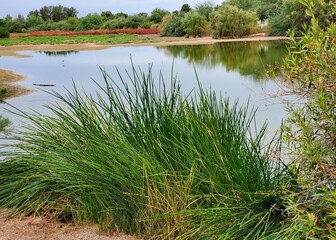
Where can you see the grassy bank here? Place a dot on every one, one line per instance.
(97, 39)
(149, 161)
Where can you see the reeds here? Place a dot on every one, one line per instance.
(144, 158)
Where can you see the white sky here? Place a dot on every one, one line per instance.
(14, 7)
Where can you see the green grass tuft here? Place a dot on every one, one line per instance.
(147, 159)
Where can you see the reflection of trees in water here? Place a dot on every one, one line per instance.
(248, 58)
(59, 53)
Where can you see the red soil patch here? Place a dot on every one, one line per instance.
(139, 31)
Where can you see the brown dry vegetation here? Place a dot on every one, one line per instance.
(139, 31)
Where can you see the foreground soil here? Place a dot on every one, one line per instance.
(38, 228)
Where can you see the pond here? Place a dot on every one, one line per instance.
(236, 70)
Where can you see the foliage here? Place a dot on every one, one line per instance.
(56, 13)
(172, 25)
(310, 131)
(242, 4)
(205, 8)
(4, 33)
(33, 21)
(148, 160)
(90, 21)
(230, 21)
(194, 24)
(4, 122)
(292, 16)
(266, 9)
(15, 25)
(157, 15)
(185, 8)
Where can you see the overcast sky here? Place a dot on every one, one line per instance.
(14, 7)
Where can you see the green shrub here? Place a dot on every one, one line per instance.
(310, 132)
(117, 23)
(4, 33)
(230, 21)
(194, 24)
(172, 25)
(90, 21)
(33, 21)
(148, 160)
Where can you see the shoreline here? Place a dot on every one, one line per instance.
(14, 50)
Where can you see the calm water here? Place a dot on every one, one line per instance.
(236, 70)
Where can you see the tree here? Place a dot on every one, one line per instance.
(90, 21)
(15, 25)
(267, 8)
(243, 4)
(230, 21)
(185, 8)
(205, 8)
(33, 21)
(107, 14)
(172, 25)
(45, 13)
(194, 24)
(157, 14)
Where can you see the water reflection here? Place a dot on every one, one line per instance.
(248, 58)
(59, 53)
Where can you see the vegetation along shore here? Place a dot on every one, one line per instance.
(153, 162)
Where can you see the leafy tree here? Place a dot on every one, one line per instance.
(205, 8)
(120, 15)
(16, 25)
(33, 21)
(45, 13)
(230, 21)
(90, 21)
(107, 14)
(57, 13)
(194, 24)
(157, 15)
(4, 33)
(185, 8)
(2, 22)
(267, 8)
(172, 25)
(33, 13)
(243, 4)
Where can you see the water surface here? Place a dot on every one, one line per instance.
(236, 70)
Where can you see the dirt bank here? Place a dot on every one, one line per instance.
(155, 40)
(8, 79)
(37, 228)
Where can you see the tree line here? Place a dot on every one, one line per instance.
(232, 18)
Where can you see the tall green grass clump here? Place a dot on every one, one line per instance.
(145, 158)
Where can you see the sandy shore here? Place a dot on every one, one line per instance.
(155, 41)
(8, 80)
(38, 228)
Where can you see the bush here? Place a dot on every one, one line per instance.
(310, 131)
(149, 161)
(172, 26)
(91, 21)
(230, 21)
(4, 33)
(194, 24)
